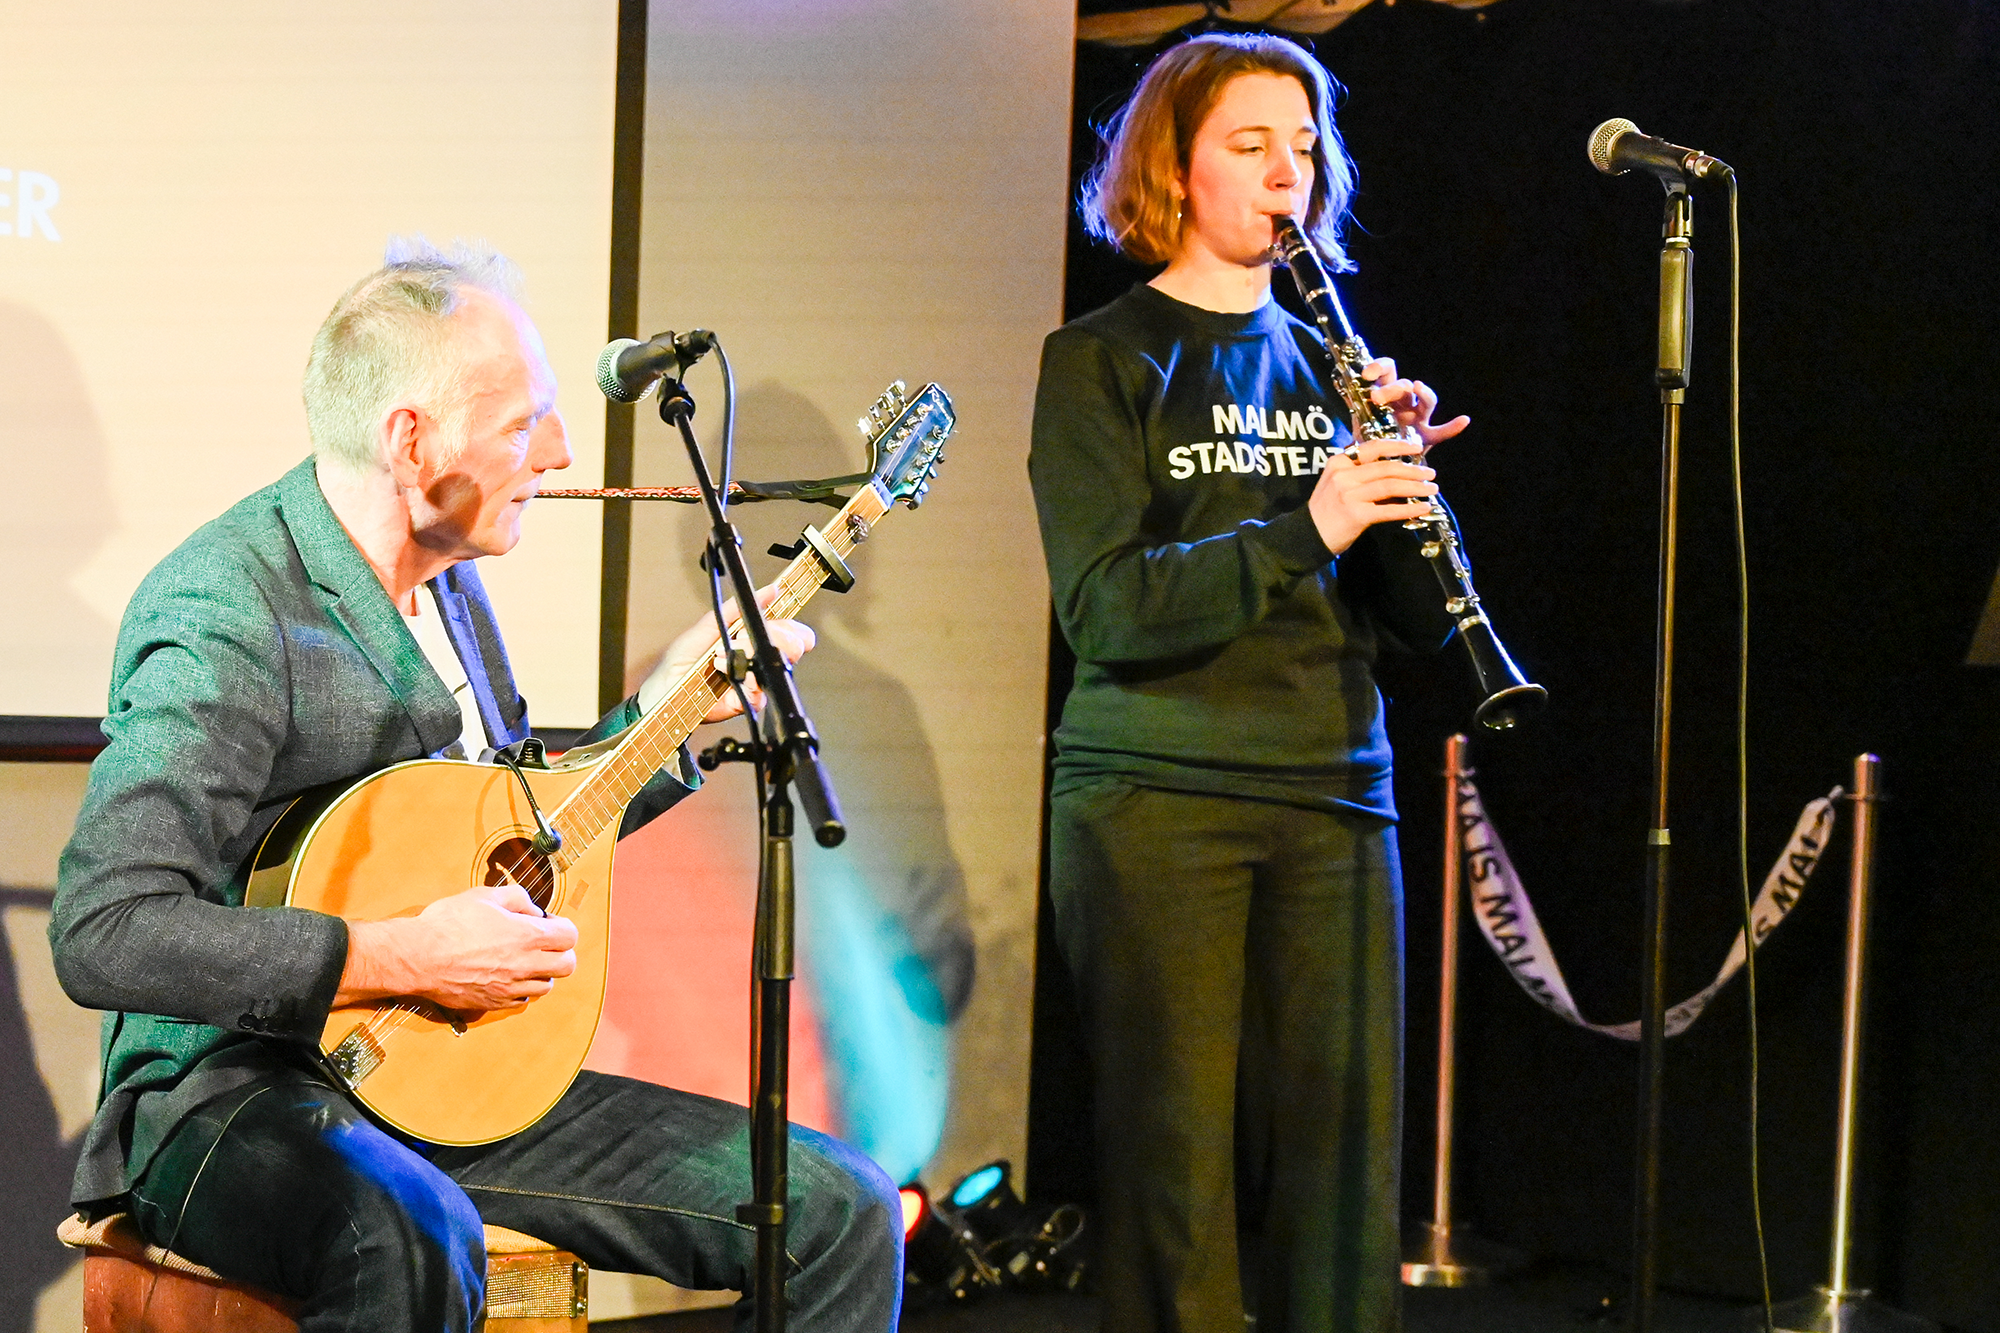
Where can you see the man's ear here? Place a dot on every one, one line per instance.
(402, 435)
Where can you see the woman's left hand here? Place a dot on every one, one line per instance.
(1412, 400)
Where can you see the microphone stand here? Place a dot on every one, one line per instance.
(1675, 345)
(787, 752)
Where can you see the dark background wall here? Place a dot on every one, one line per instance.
(1497, 265)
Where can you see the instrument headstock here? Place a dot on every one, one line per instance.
(906, 439)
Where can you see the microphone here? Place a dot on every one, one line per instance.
(628, 369)
(1616, 147)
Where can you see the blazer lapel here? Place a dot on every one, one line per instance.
(354, 596)
(474, 633)
(458, 623)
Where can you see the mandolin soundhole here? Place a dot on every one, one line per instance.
(516, 861)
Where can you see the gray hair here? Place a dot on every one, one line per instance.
(389, 338)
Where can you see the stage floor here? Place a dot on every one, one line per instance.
(1547, 1298)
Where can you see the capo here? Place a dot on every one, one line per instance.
(839, 578)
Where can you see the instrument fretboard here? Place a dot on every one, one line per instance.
(650, 744)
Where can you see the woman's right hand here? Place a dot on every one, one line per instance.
(1367, 484)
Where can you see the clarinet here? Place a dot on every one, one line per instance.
(1508, 695)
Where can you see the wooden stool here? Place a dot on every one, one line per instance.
(132, 1287)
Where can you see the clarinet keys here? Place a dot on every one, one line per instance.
(1508, 696)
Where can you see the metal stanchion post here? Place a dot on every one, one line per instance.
(1434, 1256)
(1839, 1307)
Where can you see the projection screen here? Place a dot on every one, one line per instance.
(184, 191)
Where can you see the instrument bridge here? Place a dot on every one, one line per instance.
(358, 1055)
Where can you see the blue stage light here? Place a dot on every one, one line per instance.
(978, 1185)
(1028, 1246)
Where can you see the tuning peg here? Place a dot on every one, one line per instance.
(866, 428)
(898, 392)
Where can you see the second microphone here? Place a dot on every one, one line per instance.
(628, 370)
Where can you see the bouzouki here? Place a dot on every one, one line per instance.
(394, 842)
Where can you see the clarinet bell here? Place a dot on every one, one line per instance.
(1510, 697)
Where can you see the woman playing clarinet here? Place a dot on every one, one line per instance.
(1222, 847)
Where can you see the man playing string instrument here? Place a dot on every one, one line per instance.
(322, 629)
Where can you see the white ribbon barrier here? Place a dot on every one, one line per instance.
(1507, 918)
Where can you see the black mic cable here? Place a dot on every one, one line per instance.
(1743, 732)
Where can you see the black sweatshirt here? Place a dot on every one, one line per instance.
(1220, 646)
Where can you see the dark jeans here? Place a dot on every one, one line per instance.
(1239, 969)
(303, 1194)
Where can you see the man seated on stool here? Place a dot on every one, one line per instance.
(314, 633)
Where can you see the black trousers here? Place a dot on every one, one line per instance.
(1239, 968)
(288, 1185)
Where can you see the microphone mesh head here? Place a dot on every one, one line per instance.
(607, 373)
(1601, 140)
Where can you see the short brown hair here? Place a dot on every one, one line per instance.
(1126, 197)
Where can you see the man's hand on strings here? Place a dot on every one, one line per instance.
(793, 638)
(485, 948)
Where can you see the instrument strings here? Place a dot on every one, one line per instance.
(593, 806)
(644, 753)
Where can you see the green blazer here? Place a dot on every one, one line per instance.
(260, 659)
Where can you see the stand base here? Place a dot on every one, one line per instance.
(1435, 1256)
(1846, 1312)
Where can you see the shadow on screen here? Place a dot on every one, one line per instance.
(40, 1161)
(884, 919)
(59, 515)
